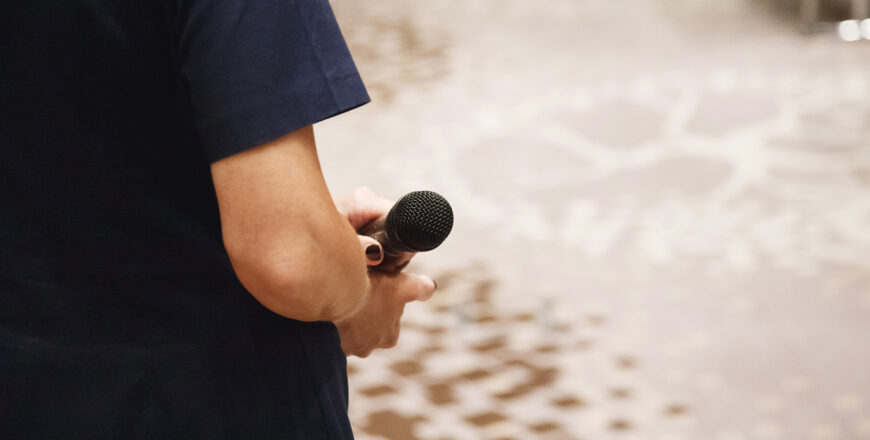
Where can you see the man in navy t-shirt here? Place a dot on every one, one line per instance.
(171, 262)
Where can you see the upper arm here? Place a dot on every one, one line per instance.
(264, 189)
(259, 74)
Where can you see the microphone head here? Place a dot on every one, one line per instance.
(420, 221)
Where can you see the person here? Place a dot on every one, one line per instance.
(172, 264)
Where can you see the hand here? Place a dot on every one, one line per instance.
(361, 207)
(376, 323)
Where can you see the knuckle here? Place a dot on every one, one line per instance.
(389, 339)
(394, 336)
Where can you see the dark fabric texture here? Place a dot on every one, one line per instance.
(120, 316)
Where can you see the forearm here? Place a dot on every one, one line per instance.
(316, 273)
(289, 245)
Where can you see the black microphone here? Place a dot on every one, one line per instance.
(420, 221)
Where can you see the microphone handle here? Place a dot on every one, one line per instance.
(394, 251)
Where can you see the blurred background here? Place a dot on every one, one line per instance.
(662, 216)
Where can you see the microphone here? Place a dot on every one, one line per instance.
(420, 221)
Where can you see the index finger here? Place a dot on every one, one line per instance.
(362, 206)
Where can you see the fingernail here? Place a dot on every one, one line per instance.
(373, 252)
(435, 283)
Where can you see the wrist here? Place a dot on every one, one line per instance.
(365, 293)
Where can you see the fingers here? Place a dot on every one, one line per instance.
(403, 260)
(415, 287)
(362, 206)
(403, 287)
(396, 263)
(428, 287)
(393, 338)
(373, 251)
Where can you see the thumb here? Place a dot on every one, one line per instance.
(372, 249)
(419, 287)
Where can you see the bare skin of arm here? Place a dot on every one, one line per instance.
(289, 245)
(298, 255)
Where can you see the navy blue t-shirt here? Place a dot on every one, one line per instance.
(120, 315)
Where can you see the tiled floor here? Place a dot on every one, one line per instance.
(662, 220)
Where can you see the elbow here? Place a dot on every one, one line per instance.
(292, 285)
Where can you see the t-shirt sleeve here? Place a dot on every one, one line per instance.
(259, 69)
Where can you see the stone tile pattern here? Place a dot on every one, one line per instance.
(662, 220)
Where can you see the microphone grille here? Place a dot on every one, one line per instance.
(421, 220)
